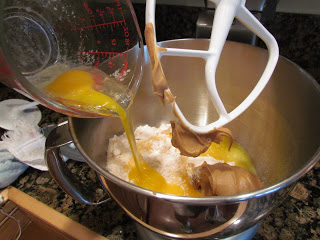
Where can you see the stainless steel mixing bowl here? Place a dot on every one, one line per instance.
(281, 131)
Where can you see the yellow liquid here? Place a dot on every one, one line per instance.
(150, 179)
(77, 87)
(237, 154)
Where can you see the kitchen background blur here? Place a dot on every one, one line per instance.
(296, 26)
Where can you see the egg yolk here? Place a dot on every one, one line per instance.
(77, 87)
(237, 154)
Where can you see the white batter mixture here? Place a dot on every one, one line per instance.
(154, 144)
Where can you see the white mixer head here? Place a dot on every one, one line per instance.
(226, 11)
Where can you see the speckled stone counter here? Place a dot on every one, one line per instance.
(296, 218)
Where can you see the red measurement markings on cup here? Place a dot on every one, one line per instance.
(103, 19)
(98, 20)
(98, 26)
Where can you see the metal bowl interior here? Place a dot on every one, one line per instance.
(281, 130)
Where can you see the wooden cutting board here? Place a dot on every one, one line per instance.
(23, 217)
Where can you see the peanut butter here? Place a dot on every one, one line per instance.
(159, 80)
(221, 179)
(192, 144)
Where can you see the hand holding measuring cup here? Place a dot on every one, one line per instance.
(71, 56)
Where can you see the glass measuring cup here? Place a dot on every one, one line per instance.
(40, 40)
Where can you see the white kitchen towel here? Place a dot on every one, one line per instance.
(10, 168)
(27, 143)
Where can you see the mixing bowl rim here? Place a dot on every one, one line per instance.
(196, 200)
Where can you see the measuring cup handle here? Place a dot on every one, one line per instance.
(59, 170)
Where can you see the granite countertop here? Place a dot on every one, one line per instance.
(296, 218)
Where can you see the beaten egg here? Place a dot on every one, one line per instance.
(81, 88)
